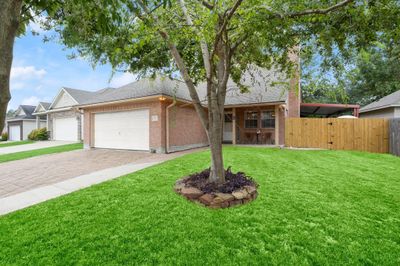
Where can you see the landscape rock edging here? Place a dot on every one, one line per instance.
(216, 200)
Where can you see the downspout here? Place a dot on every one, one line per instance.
(167, 125)
(81, 129)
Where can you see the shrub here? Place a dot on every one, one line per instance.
(4, 136)
(38, 134)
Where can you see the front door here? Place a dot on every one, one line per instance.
(228, 128)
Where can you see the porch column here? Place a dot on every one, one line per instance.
(234, 126)
(276, 124)
(47, 122)
(37, 122)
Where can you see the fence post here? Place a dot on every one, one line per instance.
(394, 136)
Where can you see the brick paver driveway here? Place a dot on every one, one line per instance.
(23, 175)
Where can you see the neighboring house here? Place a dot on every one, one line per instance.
(64, 119)
(40, 113)
(23, 122)
(387, 107)
(157, 115)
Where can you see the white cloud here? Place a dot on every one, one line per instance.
(32, 100)
(27, 72)
(17, 85)
(123, 79)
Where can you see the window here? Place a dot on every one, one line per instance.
(268, 119)
(251, 120)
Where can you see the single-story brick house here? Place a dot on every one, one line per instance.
(23, 122)
(386, 107)
(157, 115)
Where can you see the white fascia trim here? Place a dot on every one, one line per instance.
(60, 110)
(41, 113)
(25, 119)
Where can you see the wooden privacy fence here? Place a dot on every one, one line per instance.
(394, 130)
(370, 135)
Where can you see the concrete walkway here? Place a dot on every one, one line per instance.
(43, 193)
(33, 146)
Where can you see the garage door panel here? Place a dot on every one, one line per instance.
(122, 130)
(65, 129)
(15, 133)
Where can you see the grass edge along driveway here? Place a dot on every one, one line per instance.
(33, 153)
(15, 143)
(314, 207)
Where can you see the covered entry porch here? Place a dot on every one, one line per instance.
(255, 124)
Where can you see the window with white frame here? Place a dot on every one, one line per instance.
(251, 119)
(268, 119)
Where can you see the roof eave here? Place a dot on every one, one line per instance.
(379, 108)
(150, 97)
(253, 104)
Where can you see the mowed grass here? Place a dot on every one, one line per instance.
(27, 154)
(314, 207)
(15, 143)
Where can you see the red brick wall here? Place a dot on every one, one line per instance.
(157, 132)
(185, 129)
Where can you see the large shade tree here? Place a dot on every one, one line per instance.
(15, 15)
(213, 41)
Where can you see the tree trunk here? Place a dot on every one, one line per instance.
(215, 133)
(216, 104)
(9, 22)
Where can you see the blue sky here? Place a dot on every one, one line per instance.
(40, 69)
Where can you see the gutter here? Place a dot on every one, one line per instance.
(167, 125)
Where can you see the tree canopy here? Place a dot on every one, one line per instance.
(214, 41)
(371, 74)
(262, 32)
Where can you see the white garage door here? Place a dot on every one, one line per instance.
(65, 129)
(15, 133)
(122, 130)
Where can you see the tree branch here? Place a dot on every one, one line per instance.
(320, 11)
(203, 43)
(207, 4)
(182, 68)
(309, 11)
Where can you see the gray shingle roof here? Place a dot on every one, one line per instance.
(265, 86)
(390, 100)
(141, 88)
(259, 81)
(80, 95)
(28, 110)
(45, 105)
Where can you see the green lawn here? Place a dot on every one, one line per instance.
(27, 154)
(314, 207)
(15, 143)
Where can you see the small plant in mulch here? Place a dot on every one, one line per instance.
(238, 188)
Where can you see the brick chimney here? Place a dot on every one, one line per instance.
(294, 94)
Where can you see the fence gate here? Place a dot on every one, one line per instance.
(338, 134)
(394, 136)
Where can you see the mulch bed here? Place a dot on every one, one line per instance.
(237, 189)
